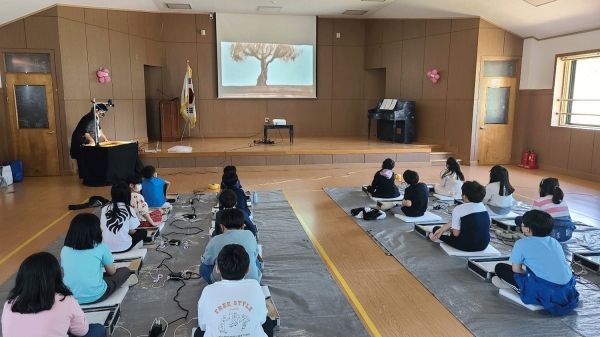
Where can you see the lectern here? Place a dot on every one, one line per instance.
(169, 120)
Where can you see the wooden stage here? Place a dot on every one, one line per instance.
(210, 152)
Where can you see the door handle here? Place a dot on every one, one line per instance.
(482, 127)
(51, 132)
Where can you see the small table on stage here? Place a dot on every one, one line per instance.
(290, 127)
(109, 163)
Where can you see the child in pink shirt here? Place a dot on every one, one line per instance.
(551, 201)
(40, 304)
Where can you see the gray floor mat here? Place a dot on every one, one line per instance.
(475, 303)
(309, 301)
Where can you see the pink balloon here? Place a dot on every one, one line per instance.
(436, 77)
(100, 73)
(429, 74)
(434, 80)
(101, 79)
(107, 78)
(434, 71)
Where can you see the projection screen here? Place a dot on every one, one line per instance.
(266, 56)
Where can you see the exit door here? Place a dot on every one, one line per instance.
(32, 120)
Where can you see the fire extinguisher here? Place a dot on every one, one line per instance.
(525, 159)
(532, 161)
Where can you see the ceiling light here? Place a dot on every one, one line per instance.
(538, 3)
(178, 6)
(354, 12)
(270, 9)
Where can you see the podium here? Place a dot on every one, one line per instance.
(107, 165)
(169, 120)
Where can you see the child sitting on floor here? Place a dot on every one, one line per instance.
(154, 189)
(138, 203)
(548, 280)
(40, 304)
(82, 259)
(470, 224)
(119, 222)
(234, 306)
(230, 179)
(232, 225)
(551, 202)
(230, 168)
(228, 200)
(452, 180)
(383, 185)
(416, 196)
(498, 193)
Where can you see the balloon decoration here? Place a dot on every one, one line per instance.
(433, 75)
(103, 75)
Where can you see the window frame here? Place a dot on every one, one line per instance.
(564, 82)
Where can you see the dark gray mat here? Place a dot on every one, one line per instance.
(475, 303)
(306, 296)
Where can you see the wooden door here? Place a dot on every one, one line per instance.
(33, 123)
(496, 118)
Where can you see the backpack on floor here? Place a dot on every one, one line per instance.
(17, 170)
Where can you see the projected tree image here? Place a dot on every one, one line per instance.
(266, 53)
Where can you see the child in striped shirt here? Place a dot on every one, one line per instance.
(551, 201)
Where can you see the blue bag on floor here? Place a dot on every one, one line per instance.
(16, 167)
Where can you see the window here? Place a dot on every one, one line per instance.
(579, 100)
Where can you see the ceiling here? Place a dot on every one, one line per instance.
(555, 18)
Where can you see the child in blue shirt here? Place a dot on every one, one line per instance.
(548, 280)
(470, 224)
(154, 189)
(232, 225)
(82, 259)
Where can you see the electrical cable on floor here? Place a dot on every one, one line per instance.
(188, 322)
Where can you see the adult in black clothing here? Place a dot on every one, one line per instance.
(416, 196)
(85, 133)
(383, 185)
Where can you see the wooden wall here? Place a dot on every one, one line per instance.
(83, 40)
(409, 48)
(371, 60)
(570, 151)
(340, 108)
(37, 33)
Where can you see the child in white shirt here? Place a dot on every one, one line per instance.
(119, 222)
(452, 180)
(498, 193)
(234, 306)
(138, 203)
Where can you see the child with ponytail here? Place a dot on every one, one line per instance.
(551, 201)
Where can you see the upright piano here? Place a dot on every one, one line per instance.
(401, 116)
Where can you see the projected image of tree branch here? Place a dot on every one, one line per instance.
(266, 70)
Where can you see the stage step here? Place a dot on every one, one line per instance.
(439, 158)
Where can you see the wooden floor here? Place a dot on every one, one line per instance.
(301, 145)
(387, 298)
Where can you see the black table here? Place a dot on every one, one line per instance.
(290, 127)
(104, 166)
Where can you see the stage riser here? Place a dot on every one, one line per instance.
(412, 159)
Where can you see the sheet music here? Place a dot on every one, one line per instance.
(388, 104)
